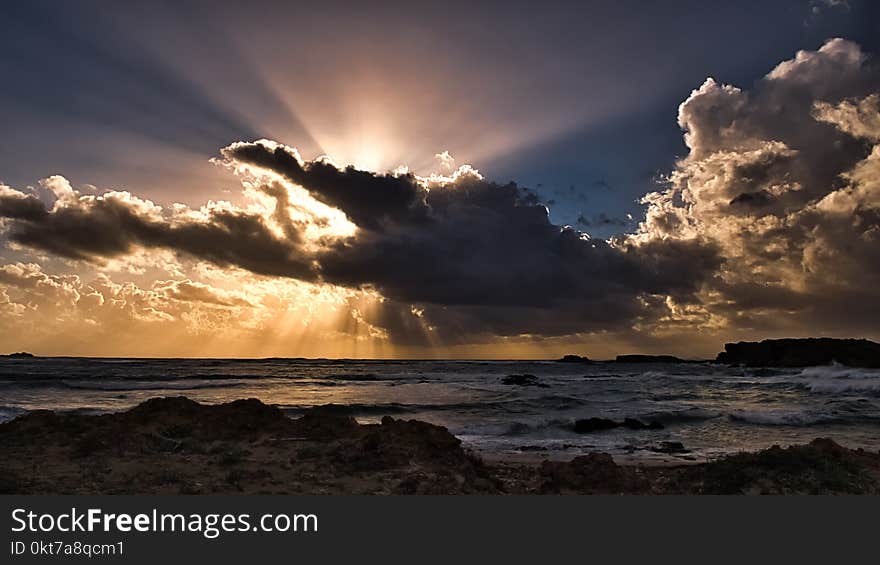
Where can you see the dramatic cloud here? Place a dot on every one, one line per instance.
(461, 241)
(368, 199)
(90, 227)
(437, 243)
(784, 179)
(771, 223)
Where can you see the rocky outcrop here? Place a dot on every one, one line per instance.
(821, 467)
(648, 359)
(802, 353)
(523, 380)
(18, 355)
(574, 359)
(594, 473)
(670, 447)
(590, 425)
(177, 446)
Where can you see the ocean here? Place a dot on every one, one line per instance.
(712, 410)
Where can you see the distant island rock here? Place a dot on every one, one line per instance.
(648, 359)
(574, 359)
(805, 352)
(18, 355)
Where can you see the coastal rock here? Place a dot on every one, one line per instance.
(523, 380)
(18, 355)
(594, 473)
(396, 443)
(525, 448)
(670, 447)
(182, 417)
(574, 359)
(633, 424)
(802, 353)
(177, 446)
(320, 425)
(590, 425)
(648, 359)
(821, 467)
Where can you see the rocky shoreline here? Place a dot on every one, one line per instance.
(177, 446)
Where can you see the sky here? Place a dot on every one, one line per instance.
(505, 180)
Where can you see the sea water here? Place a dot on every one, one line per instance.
(712, 410)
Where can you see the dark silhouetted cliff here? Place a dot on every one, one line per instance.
(802, 352)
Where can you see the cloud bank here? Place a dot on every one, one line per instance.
(769, 224)
(784, 179)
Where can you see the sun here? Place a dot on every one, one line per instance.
(367, 151)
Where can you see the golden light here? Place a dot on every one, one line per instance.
(314, 220)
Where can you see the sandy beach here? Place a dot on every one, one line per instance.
(177, 446)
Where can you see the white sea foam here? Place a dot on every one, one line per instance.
(690, 414)
(9, 412)
(833, 379)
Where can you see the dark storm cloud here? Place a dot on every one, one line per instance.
(474, 254)
(469, 242)
(369, 199)
(14, 204)
(92, 228)
(602, 220)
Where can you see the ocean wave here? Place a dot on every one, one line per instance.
(540, 404)
(378, 409)
(792, 418)
(836, 379)
(117, 386)
(834, 413)
(42, 378)
(547, 402)
(8, 413)
(673, 396)
(762, 372)
(356, 377)
(775, 385)
(524, 428)
(684, 415)
(354, 409)
(838, 371)
(866, 387)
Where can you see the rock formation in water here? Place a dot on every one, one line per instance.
(590, 425)
(574, 359)
(648, 359)
(18, 355)
(802, 353)
(523, 380)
